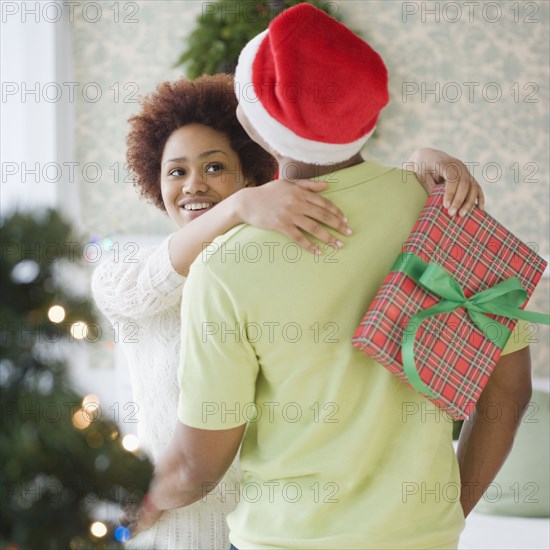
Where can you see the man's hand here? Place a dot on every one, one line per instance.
(461, 189)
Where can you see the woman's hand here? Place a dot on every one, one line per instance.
(139, 517)
(461, 189)
(294, 208)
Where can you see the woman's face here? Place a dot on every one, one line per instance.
(198, 170)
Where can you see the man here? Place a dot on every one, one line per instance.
(328, 456)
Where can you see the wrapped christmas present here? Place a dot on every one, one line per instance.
(449, 304)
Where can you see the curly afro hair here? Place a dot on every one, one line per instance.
(208, 100)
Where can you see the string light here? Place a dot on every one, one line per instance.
(25, 272)
(81, 419)
(56, 314)
(90, 402)
(122, 534)
(79, 330)
(130, 442)
(98, 529)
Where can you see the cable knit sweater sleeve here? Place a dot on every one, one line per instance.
(137, 289)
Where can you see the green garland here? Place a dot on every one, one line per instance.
(226, 26)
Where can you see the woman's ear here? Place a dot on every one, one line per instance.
(249, 183)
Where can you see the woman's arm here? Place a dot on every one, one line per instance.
(289, 208)
(151, 282)
(137, 287)
(292, 208)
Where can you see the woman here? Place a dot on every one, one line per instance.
(193, 160)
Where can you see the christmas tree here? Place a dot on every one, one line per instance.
(65, 469)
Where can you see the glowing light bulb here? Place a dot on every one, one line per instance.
(56, 314)
(79, 330)
(130, 442)
(90, 402)
(122, 534)
(98, 529)
(81, 419)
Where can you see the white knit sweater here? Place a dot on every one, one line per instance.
(144, 297)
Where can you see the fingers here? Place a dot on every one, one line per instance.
(318, 213)
(323, 203)
(470, 201)
(142, 521)
(320, 234)
(300, 209)
(461, 190)
(312, 189)
(297, 236)
(311, 185)
(465, 198)
(459, 199)
(449, 193)
(315, 210)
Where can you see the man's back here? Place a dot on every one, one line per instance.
(338, 453)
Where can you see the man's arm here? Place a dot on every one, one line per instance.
(487, 436)
(191, 466)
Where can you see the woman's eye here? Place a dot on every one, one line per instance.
(177, 172)
(214, 167)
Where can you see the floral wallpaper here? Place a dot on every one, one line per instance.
(470, 78)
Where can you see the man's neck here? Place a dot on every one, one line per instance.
(292, 169)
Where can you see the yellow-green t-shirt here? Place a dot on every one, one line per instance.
(338, 453)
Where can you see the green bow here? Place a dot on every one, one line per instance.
(504, 299)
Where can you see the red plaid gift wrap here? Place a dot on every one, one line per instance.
(454, 357)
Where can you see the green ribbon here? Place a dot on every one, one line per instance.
(504, 299)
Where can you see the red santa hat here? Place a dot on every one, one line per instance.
(310, 87)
